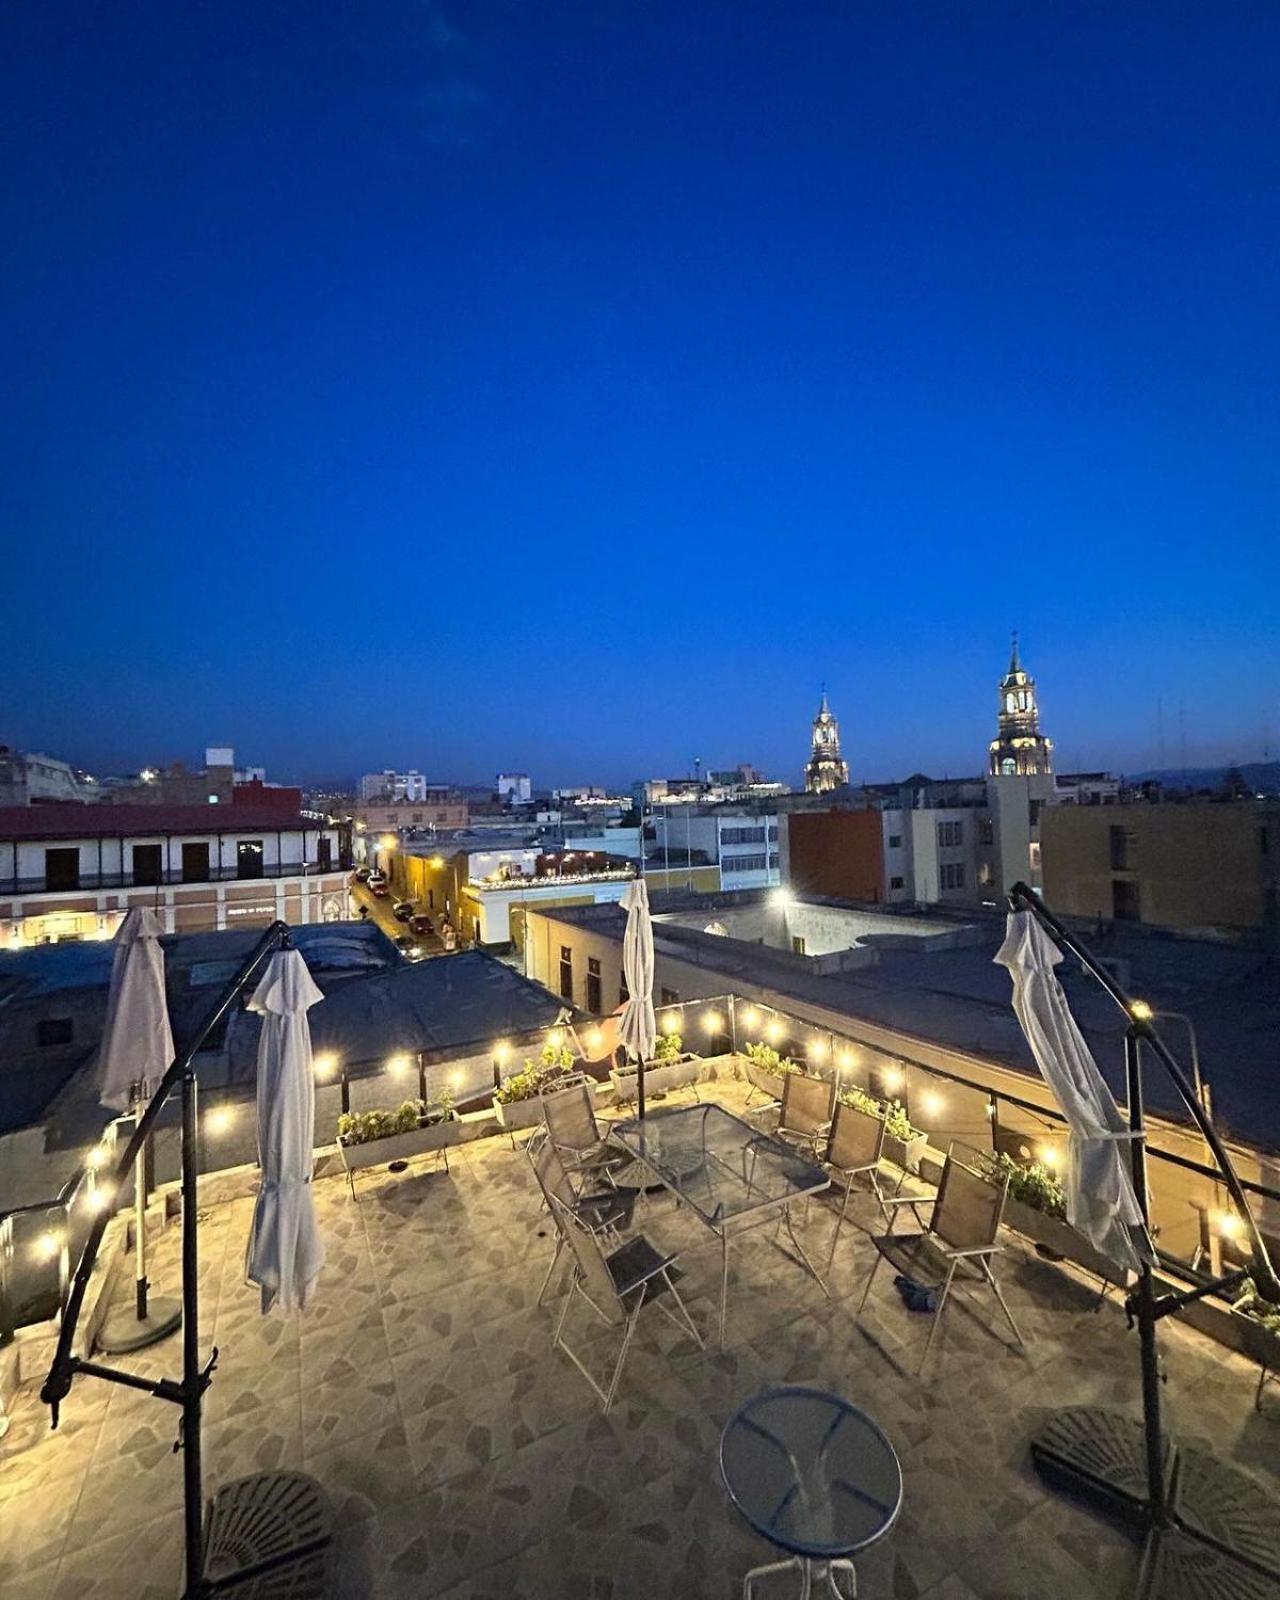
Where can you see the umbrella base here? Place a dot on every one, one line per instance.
(267, 1538)
(124, 1330)
(1223, 1539)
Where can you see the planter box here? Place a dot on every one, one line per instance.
(1056, 1234)
(906, 1153)
(518, 1113)
(435, 1138)
(658, 1079)
(768, 1083)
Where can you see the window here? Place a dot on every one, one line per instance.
(774, 860)
(950, 834)
(743, 863)
(566, 972)
(195, 862)
(895, 883)
(952, 875)
(773, 833)
(797, 943)
(1124, 849)
(895, 841)
(148, 863)
(986, 831)
(985, 875)
(670, 997)
(62, 869)
(594, 995)
(249, 858)
(324, 852)
(1126, 903)
(417, 816)
(744, 835)
(51, 1031)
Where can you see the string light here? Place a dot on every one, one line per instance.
(1049, 1154)
(554, 1038)
(1140, 1011)
(399, 1065)
(97, 1157)
(100, 1198)
(845, 1059)
(931, 1104)
(817, 1048)
(325, 1064)
(774, 1030)
(751, 1018)
(501, 1051)
(47, 1246)
(455, 1079)
(1228, 1224)
(218, 1119)
(596, 1039)
(894, 1079)
(672, 1023)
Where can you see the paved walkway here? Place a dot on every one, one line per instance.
(465, 1458)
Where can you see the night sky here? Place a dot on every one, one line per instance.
(574, 387)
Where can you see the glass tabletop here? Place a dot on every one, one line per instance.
(718, 1163)
(812, 1473)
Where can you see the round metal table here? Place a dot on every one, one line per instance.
(816, 1477)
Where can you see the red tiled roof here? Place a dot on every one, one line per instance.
(70, 820)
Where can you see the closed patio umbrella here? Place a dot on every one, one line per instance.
(285, 1252)
(638, 1027)
(1101, 1203)
(137, 1047)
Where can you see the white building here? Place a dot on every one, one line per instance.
(71, 872)
(399, 786)
(743, 845)
(515, 787)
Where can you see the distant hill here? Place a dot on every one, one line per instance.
(1263, 777)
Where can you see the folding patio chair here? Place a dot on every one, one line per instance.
(854, 1150)
(572, 1128)
(806, 1110)
(962, 1230)
(608, 1213)
(617, 1287)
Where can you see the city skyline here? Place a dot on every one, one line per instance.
(464, 386)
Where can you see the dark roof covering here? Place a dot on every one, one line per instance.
(70, 820)
(959, 998)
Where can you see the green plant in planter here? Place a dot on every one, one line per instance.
(668, 1049)
(1030, 1182)
(851, 1095)
(768, 1059)
(535, 1076)
(1251, 1304)
(898, 1124)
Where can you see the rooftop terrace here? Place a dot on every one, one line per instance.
(466, 1458)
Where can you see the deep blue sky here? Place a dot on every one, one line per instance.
(573, 386)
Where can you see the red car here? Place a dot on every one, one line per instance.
(420, 922)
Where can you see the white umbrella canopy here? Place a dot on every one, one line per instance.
(1101, 1203)
(285, 1251)
(638, 1027)
(137, 1041)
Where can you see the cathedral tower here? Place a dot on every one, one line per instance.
(826, 769)
(1019, 748)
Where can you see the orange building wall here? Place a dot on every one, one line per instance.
(837, 853)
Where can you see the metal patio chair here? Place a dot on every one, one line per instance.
(617, 1287)
(805, 1119)
(854, 1151)
(961, 1231)
(607, 1213)
(572, 1128)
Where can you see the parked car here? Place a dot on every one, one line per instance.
(362, 874)
(402, 910)
(379, 889)
(420, 922)
(376, 876)
(405, 942)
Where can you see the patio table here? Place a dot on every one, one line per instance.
(815, 1476)
(729, 1174)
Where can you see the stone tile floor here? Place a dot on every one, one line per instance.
(465, 1458)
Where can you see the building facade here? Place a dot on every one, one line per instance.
(1196, 865)
(743, 843)
(71, 872)
(400, 788)
(1019, 748)
(514, 788)
(827, 769)
(441, 808)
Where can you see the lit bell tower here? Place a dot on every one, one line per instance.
(1019, 749)
(826, 769)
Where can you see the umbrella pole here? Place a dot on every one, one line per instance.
(640, 1085)
(150, 1319)
(1144, 1299)
(194, 1381)
(140, 1220)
